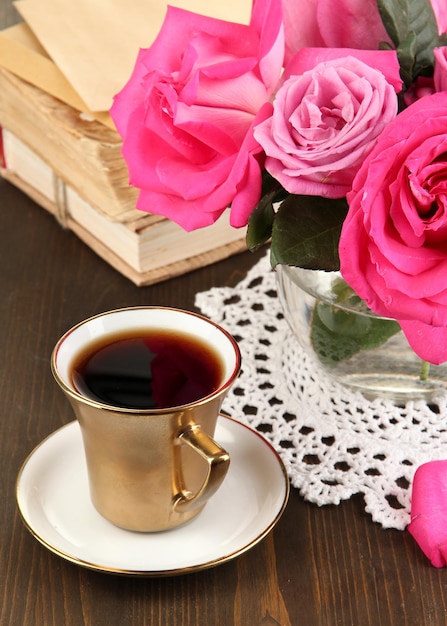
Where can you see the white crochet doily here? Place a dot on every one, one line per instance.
(334, 442)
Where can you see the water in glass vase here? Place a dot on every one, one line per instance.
(357, 348)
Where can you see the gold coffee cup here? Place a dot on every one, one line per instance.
(151, 458)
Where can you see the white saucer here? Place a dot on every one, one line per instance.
(53, 499)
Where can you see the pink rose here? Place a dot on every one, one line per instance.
(440, 73)
(393, 246)
(327, 116)
(187, 112)
(313, 24)
(440, 11)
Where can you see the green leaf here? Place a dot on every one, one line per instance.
(412, 27)
(337, 335)
(260, 222)
(407, 58)
(392, 14)
(306, 232)
(260, 225)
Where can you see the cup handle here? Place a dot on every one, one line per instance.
(218, 461)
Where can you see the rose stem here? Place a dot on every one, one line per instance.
(425, 370)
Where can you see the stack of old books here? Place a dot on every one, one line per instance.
(58, 143)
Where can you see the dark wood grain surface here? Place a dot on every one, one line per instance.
(325, 566)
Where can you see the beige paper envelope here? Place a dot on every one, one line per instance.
(22, 34)
(22, 55)
(95, 42)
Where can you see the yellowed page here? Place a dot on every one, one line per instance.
(95, 42)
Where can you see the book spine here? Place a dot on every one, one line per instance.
(2, 151)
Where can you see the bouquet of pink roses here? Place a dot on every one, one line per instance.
(321, 124)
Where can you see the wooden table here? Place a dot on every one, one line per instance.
(319, 567)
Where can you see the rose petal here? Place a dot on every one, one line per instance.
(429, 342)
(440, 73)
(438, 7)
(429, 511)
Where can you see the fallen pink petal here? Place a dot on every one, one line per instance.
(428, 523)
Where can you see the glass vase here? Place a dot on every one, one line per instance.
(351, 344)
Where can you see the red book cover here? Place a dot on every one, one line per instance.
(2, 151)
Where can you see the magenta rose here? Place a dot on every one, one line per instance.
(326, 118)
(187, 112)
(393, 246)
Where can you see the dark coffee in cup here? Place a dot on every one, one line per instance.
(147, 369)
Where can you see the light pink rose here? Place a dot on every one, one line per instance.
(187, 111)
(319, 23)
(393, 245)
(326, 118)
